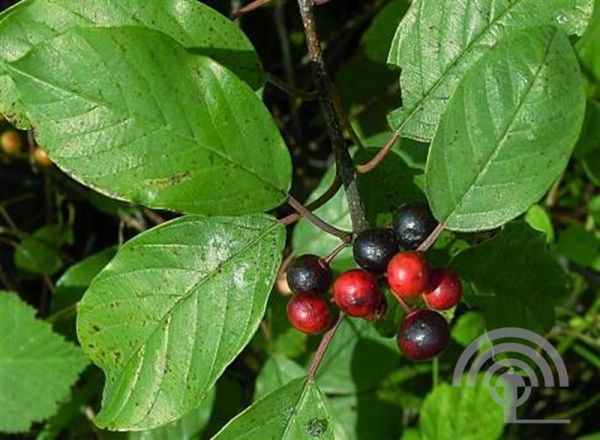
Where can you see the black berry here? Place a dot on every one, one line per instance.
(374, 248)
(423, 335)
(309, 273)
(412, 224)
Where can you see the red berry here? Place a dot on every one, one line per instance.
(357, 293)
(423, 335)
(444, 291)
(408, 274)
(379, 312)
(309, 313)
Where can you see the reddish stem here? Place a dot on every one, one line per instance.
(325, 341)
(380, 156)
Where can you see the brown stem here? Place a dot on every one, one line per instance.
(380, 156)
(326, 92)
(405, 306)
(320, 201)
(345, 236)
(329, 258)
(249, 8)
(290, 89)
(325, 341)
(430, 240)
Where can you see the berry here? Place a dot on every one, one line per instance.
(374, 248)
(408, 274)
(309, 273)
(309, 313)
(379, 312)
(11, 142)
(41, 158)
(444, 290)
(423, 335)
(412, 224)
(357, 293)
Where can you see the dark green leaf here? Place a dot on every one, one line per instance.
(277, 372)
(498, 147)
(468, 327)
(37, 367)
(194, 25)
(294, 411)
(39, 253)
(438, 42)
(130, 113)
(523, 283)
(580, 246)
(174, 307)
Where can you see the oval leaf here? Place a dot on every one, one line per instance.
(294, 411)
(438, 41)
(194, 25)
(173, 309)
(506, 135)
(129, 112)
(37, 367)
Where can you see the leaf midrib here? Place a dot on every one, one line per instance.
(444, 75)
(494, 153)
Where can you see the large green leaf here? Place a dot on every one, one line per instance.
(506, 136)
(37, 367)
(449, 413)
(194, 25)
(294, 411)
(523, 283)
(173, 309)
(439, 40)
(588, 47)
(129, 112)
(275, 373)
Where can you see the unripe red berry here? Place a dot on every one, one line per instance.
(309, 313)
(423, 335)
(379, 312)
(357, 293)
(309, 273)
(408, 274)
(444, 290)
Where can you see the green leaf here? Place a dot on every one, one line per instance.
(188, 427)
(448, 413)
(538, 219)
(499, 147)
(377, 39)
(308, 239)
(295, 411)
(588, 46)
(37, 367)
(523, 284)
(347, 367)
(468, 327)
(275, 373)
(438, 42)
(174, 307)
(39, 253)
(580, 246)
(130, 113)
(194, 25)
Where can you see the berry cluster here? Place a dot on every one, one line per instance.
(381, 254)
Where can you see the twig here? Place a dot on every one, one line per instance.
(320, 201)
(429, 241)
(325, 341)
(327, 94)
(405, 306)
(249, 8)
(345, 236)
(290, 89)
(329, 258)
(380, 156)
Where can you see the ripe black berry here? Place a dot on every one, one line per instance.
(309, 273)
(374, 248)
(309, 313)
(412, 224)
(423, 335)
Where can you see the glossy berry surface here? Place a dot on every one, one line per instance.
(309, 273)
(412, 223)
(408, 274)
(357, 293)
(379, 312)
(374, 248)
(444, 291)
(309, 313)
(423, 335)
